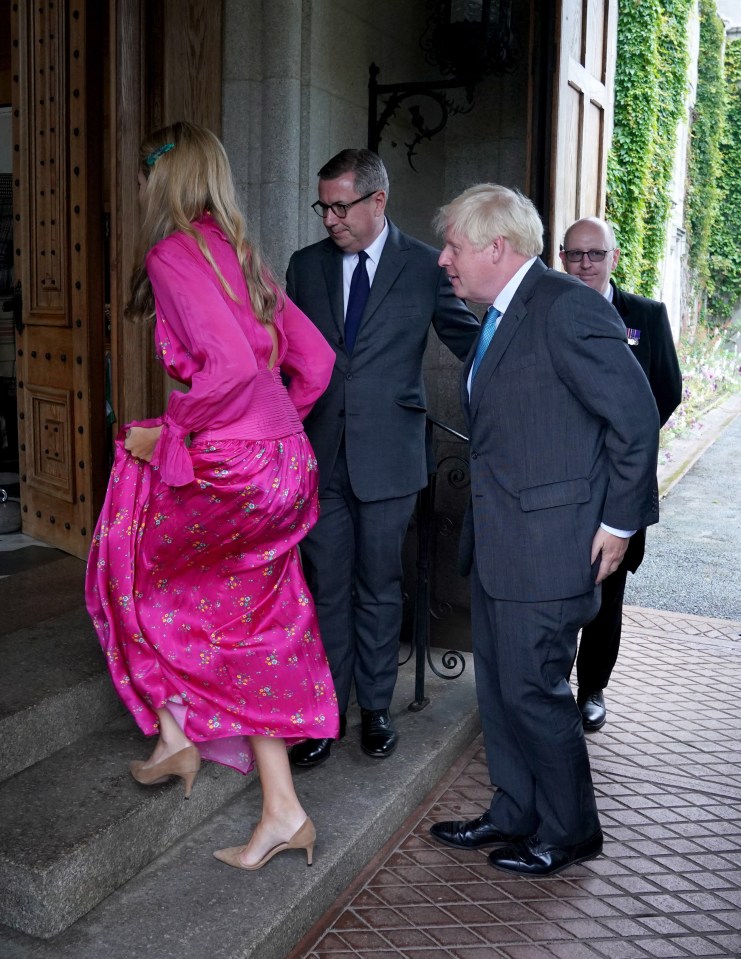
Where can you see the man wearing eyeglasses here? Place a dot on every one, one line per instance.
(374, 292)
(590, 253)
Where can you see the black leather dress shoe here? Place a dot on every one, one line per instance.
(377, 736)
(470, 835)
(313, 752)
(530, 857)
(593, 711)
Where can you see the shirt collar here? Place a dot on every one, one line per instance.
(375, 250)
(506, 296)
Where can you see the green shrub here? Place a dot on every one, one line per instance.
(724, 263)
(650, 89)
(705, 132)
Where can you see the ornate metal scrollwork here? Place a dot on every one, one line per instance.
(416, 96)
(467, 40)
(451, 659)
(452, 664)
(459, 477)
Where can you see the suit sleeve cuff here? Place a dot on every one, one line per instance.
(622, 533)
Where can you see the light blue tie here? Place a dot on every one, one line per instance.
(488, 329)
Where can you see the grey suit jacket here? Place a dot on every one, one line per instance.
(564, 435)
(376, 396)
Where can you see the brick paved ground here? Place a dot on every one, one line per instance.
(667, 770)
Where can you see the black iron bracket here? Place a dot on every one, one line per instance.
(413, 96)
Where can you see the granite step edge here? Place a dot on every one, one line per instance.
(76, 827)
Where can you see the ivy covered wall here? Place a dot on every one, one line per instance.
(725, 241)
(650, 89)
(703, 170)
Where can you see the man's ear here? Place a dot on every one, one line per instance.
(615, 257)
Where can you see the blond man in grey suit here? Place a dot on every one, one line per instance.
(564, 437)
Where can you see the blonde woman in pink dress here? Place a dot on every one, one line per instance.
(194, 582)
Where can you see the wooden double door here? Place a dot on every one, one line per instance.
(582, 113)
(88, 80)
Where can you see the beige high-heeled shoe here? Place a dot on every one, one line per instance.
(303, 838)
(184, 764)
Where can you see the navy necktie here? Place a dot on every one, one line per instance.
(359, 290)
(488, 329)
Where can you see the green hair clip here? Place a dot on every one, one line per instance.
(152, 157)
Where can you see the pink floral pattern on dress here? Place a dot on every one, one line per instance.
(198, 597)
(194, 581)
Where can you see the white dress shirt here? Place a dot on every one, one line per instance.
(350, 261)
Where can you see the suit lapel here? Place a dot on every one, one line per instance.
(390, 265)
(620, 304)
(508, 326)
(332, 266)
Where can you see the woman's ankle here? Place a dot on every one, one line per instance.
(167, 747)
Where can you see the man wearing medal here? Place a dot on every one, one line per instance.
(590, 253)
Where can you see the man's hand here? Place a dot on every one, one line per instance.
(611, 549)
(141, 441)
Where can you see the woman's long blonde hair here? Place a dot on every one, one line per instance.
(188, 174)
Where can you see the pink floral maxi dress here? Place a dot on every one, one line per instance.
(194, 582)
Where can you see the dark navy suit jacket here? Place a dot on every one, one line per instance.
(376, 397)
(563, 435)
(658, 358)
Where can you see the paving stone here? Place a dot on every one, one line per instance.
(669, 883)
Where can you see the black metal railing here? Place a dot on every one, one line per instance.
(452, 661)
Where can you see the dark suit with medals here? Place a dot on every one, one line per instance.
(651, 342)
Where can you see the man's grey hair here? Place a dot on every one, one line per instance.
(367, 167)
(485, 211)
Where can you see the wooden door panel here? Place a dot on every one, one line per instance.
(58, 203)
(583, 93)
(572, 27)
(569, 185)
(168, 67)
(162, 62)
(51, 467)
(593, 192)
(44, 114)
(596, 41)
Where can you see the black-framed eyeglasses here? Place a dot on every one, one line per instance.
(339, 209)
(595, 256)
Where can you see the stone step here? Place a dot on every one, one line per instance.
(76, 826)
(54, 688)
(40, 592)
(187, 905)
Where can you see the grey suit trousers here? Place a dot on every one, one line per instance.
(535, 748)
(353, 565)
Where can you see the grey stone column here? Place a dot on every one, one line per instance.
(241, 120)
(281, 129)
